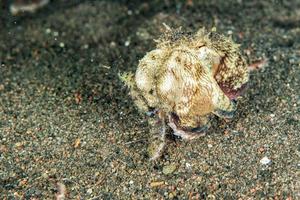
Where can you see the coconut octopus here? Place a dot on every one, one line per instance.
(184, 80)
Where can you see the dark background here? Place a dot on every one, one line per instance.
(66, 118)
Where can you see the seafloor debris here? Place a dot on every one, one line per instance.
(184, 80)
(19, 6)
(265, 160)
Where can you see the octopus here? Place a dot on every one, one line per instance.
(182, 82)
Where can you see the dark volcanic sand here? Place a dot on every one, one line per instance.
(66, 118)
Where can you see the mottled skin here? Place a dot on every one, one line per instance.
(188, 77)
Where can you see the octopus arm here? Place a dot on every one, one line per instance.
(223, 106)
(134, 92)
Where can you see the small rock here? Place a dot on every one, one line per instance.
(230, 32)
(188, 166)
(157, 183)
(265, 160)
(86, 46)
(127, 43)
(89, 191)
(48, 30)
(19, 144)
(3, 149)
(172, 195)
(55, 33)
(113, 44)
(45, 175)
(168, 169)
(77, 143)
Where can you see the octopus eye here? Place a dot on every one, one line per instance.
(151, 92)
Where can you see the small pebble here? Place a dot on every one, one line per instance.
(188, 166)
(113, 44)
(157, 183)
(265, 160)
(127, 43)
(18, 144)
(48, 30)
(77, 143)
(172, 195)
(45, 175)
(55, 33)
(89, 191)
(168, 169)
